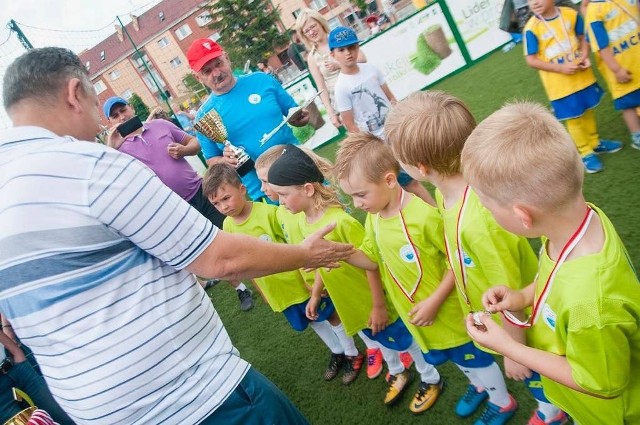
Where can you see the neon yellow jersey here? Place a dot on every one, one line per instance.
(290, 225)
(386, 243)
(281, 290)
(616, 24)
(347, 285)
(491, 255)
(591, 317)
(549, 42)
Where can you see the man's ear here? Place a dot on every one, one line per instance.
(73, 93)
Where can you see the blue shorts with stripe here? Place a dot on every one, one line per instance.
(467, 355)
(298, 319)
(576, 104)
(628, 101)
(396, 336)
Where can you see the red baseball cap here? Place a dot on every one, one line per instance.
(202, 51)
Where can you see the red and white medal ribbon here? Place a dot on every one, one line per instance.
(566, 250)
(462, 286)
(407, 292)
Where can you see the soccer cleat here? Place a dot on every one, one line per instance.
(335, 364)
(496, 415)
(608, 146)
(592, 163)
(397, 384)
(538, 419)
(374, 363)
(470, 401)
(352, 366)
(426, 396)
(635, 142)
(406, 359)
(246, 299)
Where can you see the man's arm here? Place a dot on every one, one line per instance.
(236, 256)
(189, 146)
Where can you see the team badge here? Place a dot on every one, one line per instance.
(265, 237)
(407, 254)
(254, 99)
(468, 262)
(549, 316)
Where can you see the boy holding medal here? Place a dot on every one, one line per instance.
(583, 334)
(555, 45)
(403, 235)
(427, 132)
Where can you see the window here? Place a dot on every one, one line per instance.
(203, 19)
(114, 75)
(175, 62)
(163, 42)
(99, 86)
(103, 56)
(183, 32)
(334, 22)
(127, 94)
(87, 65)
(318, 4)
(215, 36)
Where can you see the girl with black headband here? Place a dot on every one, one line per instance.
(298, 177)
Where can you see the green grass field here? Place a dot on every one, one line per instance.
(295, 361)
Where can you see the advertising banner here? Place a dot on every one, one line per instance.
(477, 22)
(416, 53)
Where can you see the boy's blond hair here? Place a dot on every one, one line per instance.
(268, 157)
(429, 128)
(364, 156)
(521, 153)
(218, 175)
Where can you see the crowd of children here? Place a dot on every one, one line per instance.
(457, 279)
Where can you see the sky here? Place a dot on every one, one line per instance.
(75, 24)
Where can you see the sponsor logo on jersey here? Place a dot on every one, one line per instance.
(549, 316)
(407, 254)
(254, 98)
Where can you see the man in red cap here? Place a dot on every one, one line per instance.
(250, 107)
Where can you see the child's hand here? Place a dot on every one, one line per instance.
(569, 68)
(584, 63)
(424, 313)
(623, 75)
(311, 310)
(489, 334)
(378, 320)
(515, 370)
(500, 298)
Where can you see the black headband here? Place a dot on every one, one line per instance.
(294, 167)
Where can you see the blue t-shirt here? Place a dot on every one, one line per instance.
(254, 107)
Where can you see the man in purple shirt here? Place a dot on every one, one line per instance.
(162, 146)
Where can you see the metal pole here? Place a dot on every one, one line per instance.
(162, 94)
(13, 26)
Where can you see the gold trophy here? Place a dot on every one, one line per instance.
(21, 418)
(212, 127)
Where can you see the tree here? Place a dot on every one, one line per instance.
(248, 29)
(142, 110)
(196, 88)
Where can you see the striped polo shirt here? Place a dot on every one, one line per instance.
(92, 255)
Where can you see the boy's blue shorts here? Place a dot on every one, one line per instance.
(628, 101)
(396, 336)
(297, 318)
(404, 179)
(576, 104)
(467, 355)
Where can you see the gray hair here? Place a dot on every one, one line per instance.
(40, 73)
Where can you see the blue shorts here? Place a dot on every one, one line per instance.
(396, 336)
(404, 179)
(628, 101)
(298, 319)
(467, 355)
(576, 104)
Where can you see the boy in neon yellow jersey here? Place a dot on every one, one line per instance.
(284, 292)
(404, 236)
(427, 132)
(298, 179)
(583, 334)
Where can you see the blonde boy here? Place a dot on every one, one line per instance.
(427, 132)
(583, 333)
(284, 292)
(403, 235)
